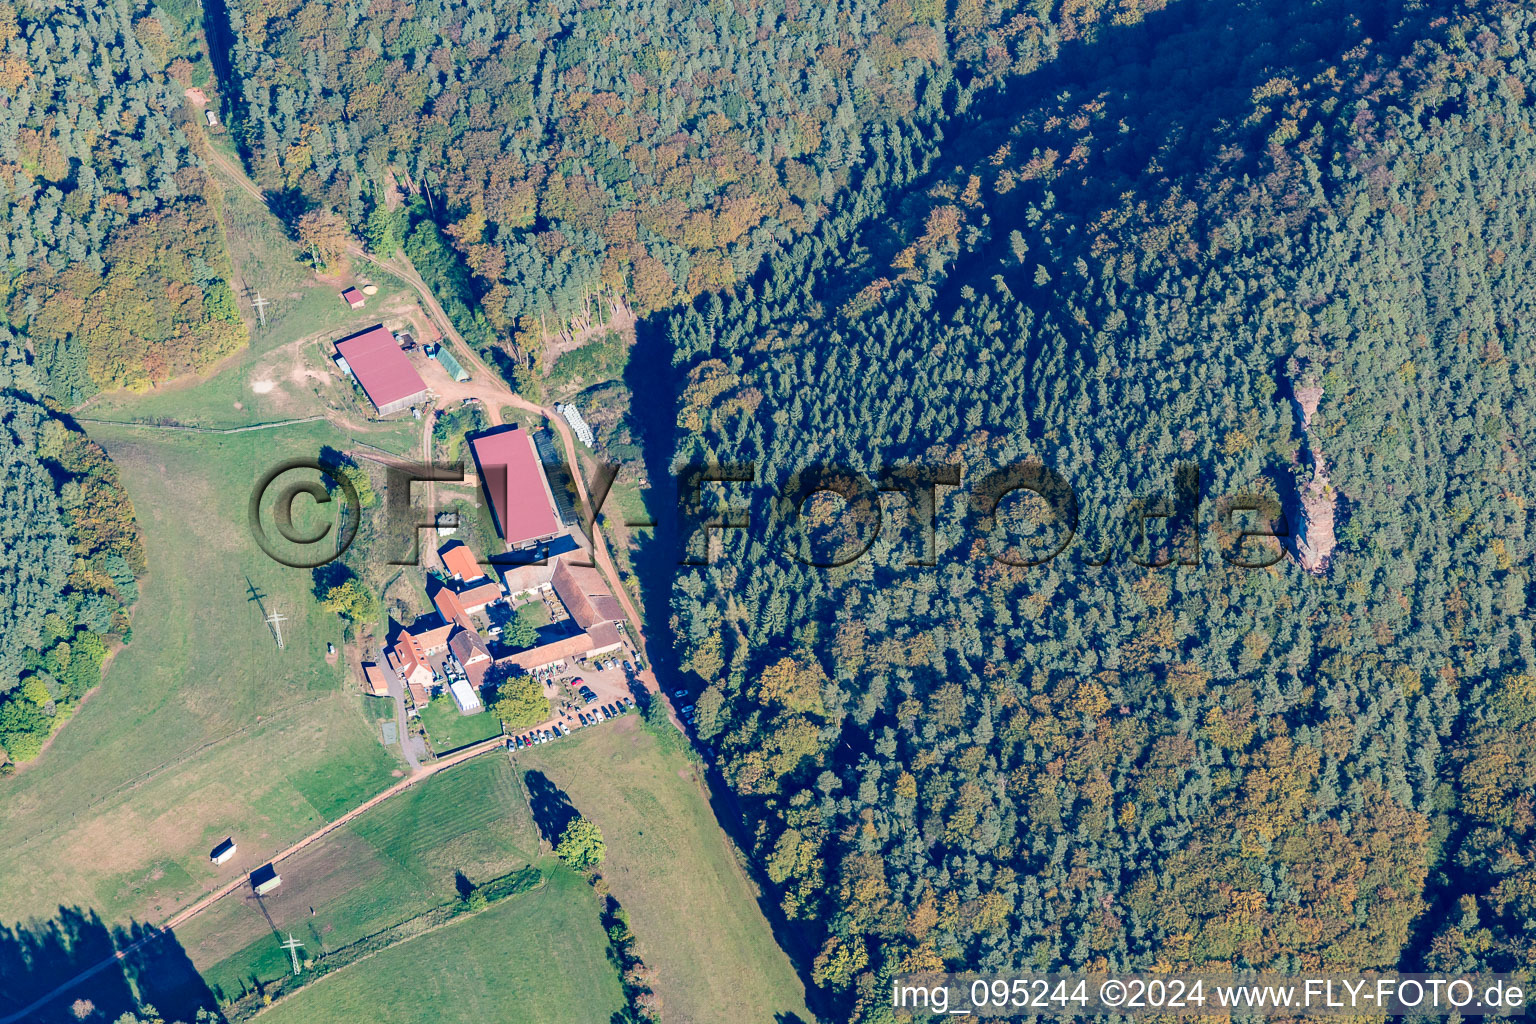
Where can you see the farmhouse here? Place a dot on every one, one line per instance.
(473, 656)
(384, 371)
(515, 484)
(353, 298)
(224, 852)
(591, 608)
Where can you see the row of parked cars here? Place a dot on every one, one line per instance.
(591, 715)
(537, 736)
(587, 716)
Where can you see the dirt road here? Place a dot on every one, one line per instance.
(213, 897)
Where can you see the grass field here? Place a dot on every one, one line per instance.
(450, 730)
(689, 903)
(536, 958)
(393, 863)
(202, 728)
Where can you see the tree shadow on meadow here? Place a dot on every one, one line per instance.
(37, 956)
(552, 810)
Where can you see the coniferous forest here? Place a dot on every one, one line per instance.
(1297, 261)
(1205, 323)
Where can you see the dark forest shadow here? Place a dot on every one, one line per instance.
(552, 810)
(37, 956)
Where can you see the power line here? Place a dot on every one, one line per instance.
(275, 620)
(293, 946)
(260, 305)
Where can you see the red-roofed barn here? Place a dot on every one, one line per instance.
(514, 481)
(353, 298)
(384, 371)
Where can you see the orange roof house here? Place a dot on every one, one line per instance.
(460, 562)
(452, 611)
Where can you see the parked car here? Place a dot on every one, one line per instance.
(679, 693)
(688, 711)
(628, 703)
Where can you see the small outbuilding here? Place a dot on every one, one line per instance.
(224, 852)
(375, 683)
(353, 298)
(465, 697)
(265, 879)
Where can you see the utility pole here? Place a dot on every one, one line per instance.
(293, 946)
(275, 620)
(261, 308)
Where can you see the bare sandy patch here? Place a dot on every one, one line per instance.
(262, 387)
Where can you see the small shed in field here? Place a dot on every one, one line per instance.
(264, 879)
(353, 298)
(222, 853)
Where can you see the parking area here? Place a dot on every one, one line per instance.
(583, 696)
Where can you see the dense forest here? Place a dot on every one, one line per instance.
(112, 274)
(1282, 244)
(573, 156)
(113, 258)
(69, 536)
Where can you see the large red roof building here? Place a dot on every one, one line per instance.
(384, 371)
(514, 481)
